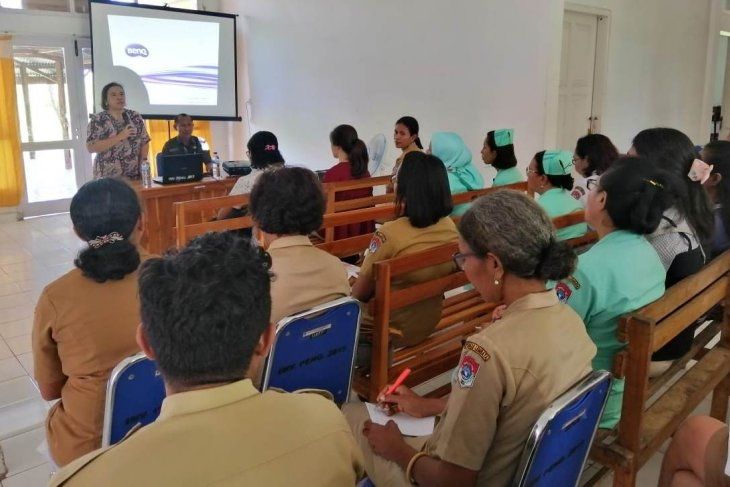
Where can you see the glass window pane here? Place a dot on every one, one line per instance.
(49, 174)
(82, 6)
(51, 5)
(42, 92)
(88, 79)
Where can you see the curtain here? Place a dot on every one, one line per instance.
(162, 130)
(11, 164)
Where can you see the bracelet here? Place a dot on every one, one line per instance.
(411, 464)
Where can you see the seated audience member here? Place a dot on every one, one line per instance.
(352, 154)
(185, 142)
(685, 228)
(287, 205)
(548, 175)
(406, 139)
(499, 152)
(594, 154)
(423, 204)
(717, 155)
(622, 272)
(509, 371)
(85, 321)
(697, 455)
(263, 153)
(456, 156)
(205, 322)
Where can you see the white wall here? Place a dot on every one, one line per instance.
(313, 65)
(656, 67)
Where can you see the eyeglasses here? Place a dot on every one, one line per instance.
(591, 183)
(460, 257)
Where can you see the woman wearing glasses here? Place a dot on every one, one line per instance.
(622, 272)
(549, 176)
(594, 154)
(508, 372)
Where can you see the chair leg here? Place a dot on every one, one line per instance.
(718, 409)
(624, 478)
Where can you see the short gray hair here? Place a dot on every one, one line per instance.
(512, 226)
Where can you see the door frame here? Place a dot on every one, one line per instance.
(78, 119)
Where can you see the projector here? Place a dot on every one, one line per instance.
(237, 168)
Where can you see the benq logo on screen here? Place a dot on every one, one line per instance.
(136, 50)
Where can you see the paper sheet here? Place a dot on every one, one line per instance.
(352, 270)
(408, 425)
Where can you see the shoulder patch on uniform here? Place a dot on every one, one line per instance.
(477, 349)
(578, 192)
(573, 282)
(563, 292)
(468, 369)
(377, 241)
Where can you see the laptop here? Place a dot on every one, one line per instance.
(179, 168)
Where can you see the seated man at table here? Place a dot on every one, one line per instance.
(205, 321)
(185, 142)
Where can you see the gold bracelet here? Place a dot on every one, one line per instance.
(411, 464)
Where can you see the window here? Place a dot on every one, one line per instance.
(82, 6)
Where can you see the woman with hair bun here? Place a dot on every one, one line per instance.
(622, 272)
(352, 154)
(499, 152)
(86, 320)
(508, 372)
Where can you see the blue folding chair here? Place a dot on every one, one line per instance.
(316, 350)
(134, 396)
(558, 446)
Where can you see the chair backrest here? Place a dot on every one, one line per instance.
(558, 446)
(316, 349)
(134, 396)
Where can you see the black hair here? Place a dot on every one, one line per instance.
(263, 149)
(181, 116)
(564, 181)
(412, 125)
(100, 208)
(422, 192)
(105, 92)
(205, 307)
(638, 193)
(505, 154)
(287, 201)
(673, 151)
(717, 153)
(598, 150)
(345, 137)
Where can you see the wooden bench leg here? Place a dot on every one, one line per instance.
(718, 409)
(624, 478)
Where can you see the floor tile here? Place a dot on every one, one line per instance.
(14, 300)
(16, 313)
(22, 416)
(35, 477)
(21, 451)
(26, 361)
(20, 344)
(16, 390)
(9, 288)
(16, 328)
(5, 351)
(10, 368)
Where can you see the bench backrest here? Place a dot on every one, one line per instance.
(205, 209)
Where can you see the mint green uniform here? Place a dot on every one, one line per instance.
(558, 202)
(508, 176)
(619, 274)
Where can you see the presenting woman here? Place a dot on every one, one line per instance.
(117, 135)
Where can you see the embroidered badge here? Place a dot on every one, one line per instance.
(563, 291)
(578, 192)
(477, 349)
(468, 371)
(377, 241)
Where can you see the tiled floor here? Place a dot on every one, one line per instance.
(32, 254)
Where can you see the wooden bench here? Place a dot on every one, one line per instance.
(201, 212)
(575, 218)
(331, 190)
(651, 414)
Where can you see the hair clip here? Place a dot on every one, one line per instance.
(654, 183)
(699, 171)
(103, 240)
(269, 147)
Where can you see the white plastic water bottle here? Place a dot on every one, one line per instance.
(145, 172)
(217, 170)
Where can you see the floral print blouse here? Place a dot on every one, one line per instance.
(121, 159)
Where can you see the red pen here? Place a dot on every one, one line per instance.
(398, 382)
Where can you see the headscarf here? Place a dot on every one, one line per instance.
(456, 156)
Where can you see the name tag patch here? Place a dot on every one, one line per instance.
(468, 371)
(477, 349)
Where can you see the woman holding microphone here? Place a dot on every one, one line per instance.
(117, 135)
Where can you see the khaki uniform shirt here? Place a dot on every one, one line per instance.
(305, 276)
(397, 238)
(508, 374)
(229, 435)
(82, 330)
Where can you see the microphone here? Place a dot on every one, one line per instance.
(127, 121)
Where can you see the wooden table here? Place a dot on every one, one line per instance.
(159, 215)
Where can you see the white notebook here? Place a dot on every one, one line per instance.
(408, 425)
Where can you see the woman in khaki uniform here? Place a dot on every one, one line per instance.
(405, 136)
(85, 321)
(423, 200)
(508, 372)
